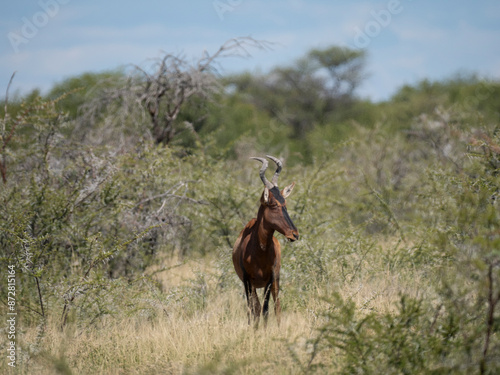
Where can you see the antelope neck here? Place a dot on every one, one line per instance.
(264, 232)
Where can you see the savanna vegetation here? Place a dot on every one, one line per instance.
(122, 193)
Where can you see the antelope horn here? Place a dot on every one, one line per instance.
(262, 172)
(278, 170)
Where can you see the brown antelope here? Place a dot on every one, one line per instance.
(257, 253)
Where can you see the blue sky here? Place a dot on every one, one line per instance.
(46, 41)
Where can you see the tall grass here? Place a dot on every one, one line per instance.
(124, 258)
(180, 330)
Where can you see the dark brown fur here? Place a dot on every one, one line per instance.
(257, 253)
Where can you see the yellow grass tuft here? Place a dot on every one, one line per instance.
(213, 339)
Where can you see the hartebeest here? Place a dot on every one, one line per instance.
(257, 253)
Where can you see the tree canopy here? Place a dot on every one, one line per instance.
(122, 193)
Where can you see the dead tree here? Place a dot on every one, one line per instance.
(162, 90)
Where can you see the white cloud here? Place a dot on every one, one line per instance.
(412, 46)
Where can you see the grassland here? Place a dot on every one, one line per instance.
(212, 335)
(123, 252)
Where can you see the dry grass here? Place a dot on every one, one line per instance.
(215, 338)
(215, 341)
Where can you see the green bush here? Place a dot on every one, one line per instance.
(397, 269)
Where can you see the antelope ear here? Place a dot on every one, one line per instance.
(266, 195)
(288, 190)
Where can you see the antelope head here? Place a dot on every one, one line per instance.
(273, 203)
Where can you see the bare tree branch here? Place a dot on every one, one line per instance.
(162, 91)
(6, 138)
(7, 92)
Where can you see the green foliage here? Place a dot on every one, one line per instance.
(468, 99)
(452, 329)
(82, 88)
(398, 265)
(317, 89)
(80, 223)
(59, 214)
